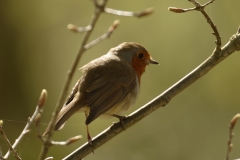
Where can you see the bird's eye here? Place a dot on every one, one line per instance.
(140, 55)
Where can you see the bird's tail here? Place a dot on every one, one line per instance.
(65, 113)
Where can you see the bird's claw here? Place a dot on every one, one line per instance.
(121, 118)
(90, 142)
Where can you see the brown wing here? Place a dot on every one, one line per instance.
(111, 81)
(72, 94)
(70, 107)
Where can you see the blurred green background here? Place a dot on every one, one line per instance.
(36, 51)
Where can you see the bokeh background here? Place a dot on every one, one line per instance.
(37, 50)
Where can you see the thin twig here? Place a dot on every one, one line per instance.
(67, 142)
(200, 8)
(37, 122)
(209, 2)
(79, 29)
(104, 36)
(209, 20)
(9, 144)
(140, 14)
(181, 10)
(231, 127)
(41, 102)
(128, 13)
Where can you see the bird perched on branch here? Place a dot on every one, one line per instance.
(109, 85)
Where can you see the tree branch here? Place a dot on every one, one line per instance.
(199, 7)
(104, 36)
(129, 14)
(41, 102)
(9, 144)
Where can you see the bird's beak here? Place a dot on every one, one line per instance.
(152, 61)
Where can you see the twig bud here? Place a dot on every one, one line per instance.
(234, 120)
(231, 146)
(144, 13)
(114, 25)
(73, 139)
(72, 27)
(1, 123)
(26, 131)
(79, 29)
(176, 10)
(42, 98)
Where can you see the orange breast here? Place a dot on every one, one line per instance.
(139, 67)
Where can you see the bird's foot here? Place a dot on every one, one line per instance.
(90, 142)
(89, 139)
(121, 118)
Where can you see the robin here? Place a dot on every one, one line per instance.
(109, 85)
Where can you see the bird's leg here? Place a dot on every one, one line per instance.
(89, 139)
(121, 118)
(88, 134)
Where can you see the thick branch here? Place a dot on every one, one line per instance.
(161, 100)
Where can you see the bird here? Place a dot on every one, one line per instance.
(108, 87)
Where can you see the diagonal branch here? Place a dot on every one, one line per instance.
(9, 144)
(104, 36)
